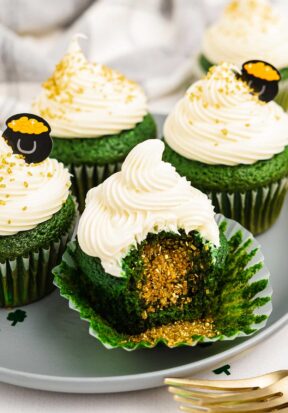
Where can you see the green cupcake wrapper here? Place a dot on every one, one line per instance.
(240, 308)
(256, 210)
(86, 177)
(24, 280)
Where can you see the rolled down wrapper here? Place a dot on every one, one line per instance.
(245, 286)
(26, 279)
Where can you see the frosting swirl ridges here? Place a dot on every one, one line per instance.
(147, 195)
(220, 121)
(29, 193)
(248, 29)
(89, 100)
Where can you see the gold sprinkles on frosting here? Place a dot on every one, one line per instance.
(26, 125)
(62, 87)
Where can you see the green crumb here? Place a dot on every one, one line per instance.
(222, 178)
(22, 243)
(105, 150)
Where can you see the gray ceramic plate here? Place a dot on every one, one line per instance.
(52, 350)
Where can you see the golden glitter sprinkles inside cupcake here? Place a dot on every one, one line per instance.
(150, 261)
(97, 116)
(29, 136)
(37, 212)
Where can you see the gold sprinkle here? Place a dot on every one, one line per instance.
(224, 132)
(26, 184)
(178, 332)
(165, 275)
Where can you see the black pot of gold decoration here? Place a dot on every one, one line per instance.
(262, 78)
(29, 136)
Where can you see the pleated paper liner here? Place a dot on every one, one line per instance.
(240, 309)
(27, 279)
(257, 209)
(85, 177)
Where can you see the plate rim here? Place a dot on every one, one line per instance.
(138, 381)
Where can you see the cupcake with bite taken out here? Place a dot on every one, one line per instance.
(230, 140)
(96, 115)
(37, 212)
(152, 263)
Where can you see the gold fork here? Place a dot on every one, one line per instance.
(265, 393)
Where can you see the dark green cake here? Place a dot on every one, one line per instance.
(222, 178)
(251, 194)
(27, 258)
(26, 242)
(168, 277)
(105, 150)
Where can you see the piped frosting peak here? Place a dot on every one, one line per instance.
(89, 100)
(146, 196)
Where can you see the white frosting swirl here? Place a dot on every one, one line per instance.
(148, 195)
(248, 29)
(89, 100)
(219, 121)
(29, 193)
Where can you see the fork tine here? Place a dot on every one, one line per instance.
(178, 391)
(280, 404)
(200, 395)
(191, 410)
(231, 385)
(198, 410)
(211, 399)
(215, 403)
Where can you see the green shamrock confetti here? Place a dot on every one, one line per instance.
(17, 316)
(224, 369)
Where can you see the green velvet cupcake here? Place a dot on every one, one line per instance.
(150, 262)
(37, 216)
(97, 116)
(231, 145)
(246, 30)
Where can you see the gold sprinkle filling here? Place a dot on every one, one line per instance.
(178, 332)
(167, 265)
